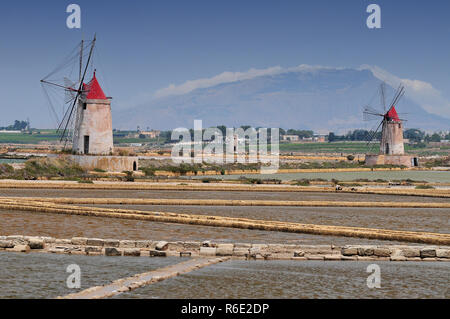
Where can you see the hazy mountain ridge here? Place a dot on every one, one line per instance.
(321, 100)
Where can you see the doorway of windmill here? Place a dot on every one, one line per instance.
(86, 144)
(134, 166)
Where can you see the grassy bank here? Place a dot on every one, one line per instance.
(159, 168)
(44, 168)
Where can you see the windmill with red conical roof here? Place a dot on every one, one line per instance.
(86, 117)
(391, 125)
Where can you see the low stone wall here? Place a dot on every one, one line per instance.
(150, 248)
(108, 163)
(380, 159)
(130, 283)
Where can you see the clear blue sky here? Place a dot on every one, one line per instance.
(147, 45)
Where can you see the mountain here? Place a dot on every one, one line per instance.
(322, 100)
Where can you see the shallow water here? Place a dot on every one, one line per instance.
(64, 226)
(40, 276)
(44, 276)
(241, 195)
(428, 176)
(303, 279)
(67, 226)
(411, 219)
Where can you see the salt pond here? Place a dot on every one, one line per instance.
(428, 176)
(304, 279)
(40, 276)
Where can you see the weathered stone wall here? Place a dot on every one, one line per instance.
(95, 121)
(380, 159)
(152, 248)
(107, 163)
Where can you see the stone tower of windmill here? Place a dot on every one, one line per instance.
(93, 125)
(392, 134)
(392, 150)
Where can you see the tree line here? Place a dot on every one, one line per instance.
(17, 126)
(413, 135)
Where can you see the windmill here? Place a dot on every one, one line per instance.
(60, 87)
(391, 125)
(86, 118)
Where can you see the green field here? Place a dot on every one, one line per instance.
(21, 138)
(336, 147)
(52, 136)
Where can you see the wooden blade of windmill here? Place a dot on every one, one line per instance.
(70, 92)
(399, 94)
(394, 98)
(383, 95)
(64, 64)
(80, 87)
(370, 114)
(371, 146)
(374, 133)
(66, 118)
(370, 110)
(81, 60)
(52, 107)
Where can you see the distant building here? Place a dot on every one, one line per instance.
(290, 138)
(319, 138)
(145, 134)
(149, 134)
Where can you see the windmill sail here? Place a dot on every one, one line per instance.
(63, 87)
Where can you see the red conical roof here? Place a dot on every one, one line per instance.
(94, 90)
(392, 115)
